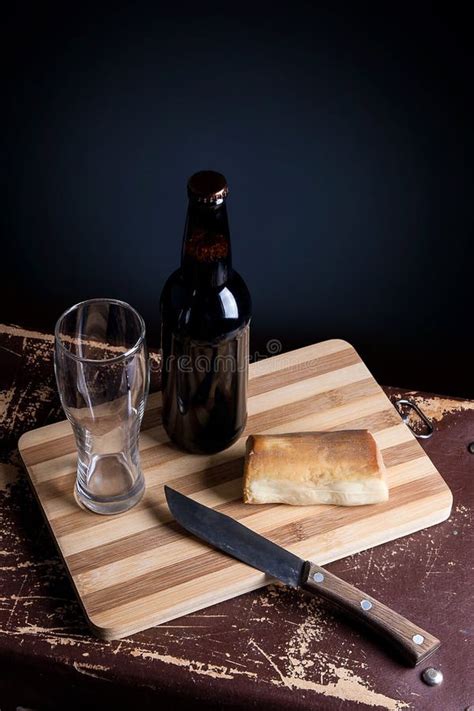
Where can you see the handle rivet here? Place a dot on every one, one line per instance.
(366, 604)
(418, 638)
(318, 577)
(432, 676)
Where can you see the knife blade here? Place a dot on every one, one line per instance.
(413, 643)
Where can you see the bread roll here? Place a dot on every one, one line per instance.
(344, 468)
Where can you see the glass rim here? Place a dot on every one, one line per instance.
(58, 338)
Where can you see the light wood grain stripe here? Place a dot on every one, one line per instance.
(57, 435)
(162, 534)
(271, 382)
(174, 550)
(66, 463)
(311, 368)
(211, 561)
(67, 517)
(298, 357)
(171, 550)
(154, 456)
(332, 382)
(341, 416)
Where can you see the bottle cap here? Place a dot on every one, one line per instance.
(208, 187)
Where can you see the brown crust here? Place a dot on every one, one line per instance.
(312, 458)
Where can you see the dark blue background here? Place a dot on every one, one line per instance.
(345, 131)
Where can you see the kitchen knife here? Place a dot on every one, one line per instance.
(230, 536)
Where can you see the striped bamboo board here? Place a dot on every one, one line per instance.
(139, 569)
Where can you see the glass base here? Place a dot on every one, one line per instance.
(109, 490)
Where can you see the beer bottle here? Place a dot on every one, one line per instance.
(205, 315)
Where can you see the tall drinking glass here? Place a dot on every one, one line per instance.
(101, 365)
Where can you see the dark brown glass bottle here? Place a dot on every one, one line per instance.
(205, 315)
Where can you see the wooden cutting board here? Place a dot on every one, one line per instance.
(138, 569)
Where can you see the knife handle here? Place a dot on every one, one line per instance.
(412, 642)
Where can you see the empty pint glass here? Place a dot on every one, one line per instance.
(101, 366)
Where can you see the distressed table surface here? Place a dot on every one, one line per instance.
(273, 648)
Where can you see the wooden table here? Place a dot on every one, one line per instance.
(272, 649)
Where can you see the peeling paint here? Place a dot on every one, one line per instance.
(438, 407)
(347, 687)
(204, 668)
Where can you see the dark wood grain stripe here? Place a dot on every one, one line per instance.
(164, 533)
(257, 385)
(402, 453)
(38, 453)
(303, 371)
(151, 418)
(181, 572)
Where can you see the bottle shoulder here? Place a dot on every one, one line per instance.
(177, 291)
(205, 312)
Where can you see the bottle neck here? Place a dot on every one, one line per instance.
(206, 257)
